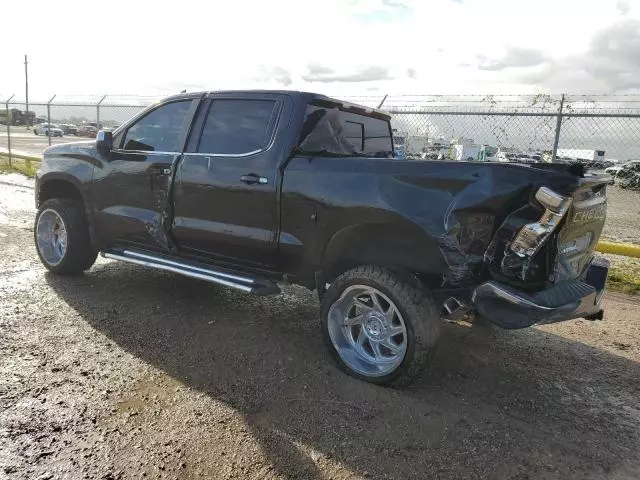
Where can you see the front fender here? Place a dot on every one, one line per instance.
(46, 178)
(73, 163)
(67, 172)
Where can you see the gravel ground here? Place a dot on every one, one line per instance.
(623, 215)
(130, 373)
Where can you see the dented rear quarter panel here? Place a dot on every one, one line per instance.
(434, 218)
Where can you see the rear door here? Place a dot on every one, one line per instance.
(225, 194)
(131, 189)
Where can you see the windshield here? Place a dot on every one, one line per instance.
(334, 132)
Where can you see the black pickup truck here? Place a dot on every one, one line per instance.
(252, 189)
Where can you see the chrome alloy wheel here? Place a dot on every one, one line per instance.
(51, 234)
(368, 331)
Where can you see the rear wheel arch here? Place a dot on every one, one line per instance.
(394, 246)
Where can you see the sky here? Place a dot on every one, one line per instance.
(336, 47)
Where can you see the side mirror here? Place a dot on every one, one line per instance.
(104, 141)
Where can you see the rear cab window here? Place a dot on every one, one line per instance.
(331, 129)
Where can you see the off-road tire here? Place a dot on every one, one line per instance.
(418, 310)
(80, 254)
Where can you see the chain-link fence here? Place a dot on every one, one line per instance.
(597, 130)
(27, 129)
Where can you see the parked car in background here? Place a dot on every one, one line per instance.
(69, 128)
(48, 129)
(87, 131)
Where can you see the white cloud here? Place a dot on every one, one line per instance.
(623, 6)
(360, 46)
(371, 73)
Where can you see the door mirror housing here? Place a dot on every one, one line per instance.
(104, 141)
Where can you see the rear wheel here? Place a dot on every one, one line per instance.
(380, 326)
(62, 237)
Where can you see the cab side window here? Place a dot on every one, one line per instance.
(161, 130)
(238, 126)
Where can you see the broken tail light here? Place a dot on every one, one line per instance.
(533, 235)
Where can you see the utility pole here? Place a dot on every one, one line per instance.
(26, 89)
(558, 127)
(9, 127)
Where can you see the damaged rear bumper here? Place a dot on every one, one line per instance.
(510, 308)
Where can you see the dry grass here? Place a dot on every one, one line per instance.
(26, 165)
(624, 275)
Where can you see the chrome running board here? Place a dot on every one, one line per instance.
(247, 284)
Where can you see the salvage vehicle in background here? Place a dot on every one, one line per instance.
(69, 129)
(614, 170)
(48, 129)
(629, 175)
(87, 131)
(250, 189)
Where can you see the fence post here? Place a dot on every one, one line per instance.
(98, 112)
(6, 106)
(49, 119)
(558, 127)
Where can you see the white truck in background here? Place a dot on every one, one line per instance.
(580, 154)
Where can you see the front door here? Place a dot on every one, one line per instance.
(225, 202)
(131, 188)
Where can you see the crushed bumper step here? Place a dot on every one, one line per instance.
(510, 308)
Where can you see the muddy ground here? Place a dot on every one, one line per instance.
(130, 373)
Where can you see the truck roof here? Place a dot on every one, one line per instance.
(305, 96)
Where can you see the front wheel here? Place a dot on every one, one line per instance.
(62, 237)
(380, 326)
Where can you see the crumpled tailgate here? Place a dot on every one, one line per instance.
(581, 229)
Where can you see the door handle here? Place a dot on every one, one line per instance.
(160, 171)
(253, 179)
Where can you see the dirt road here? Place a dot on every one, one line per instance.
(129, 373)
